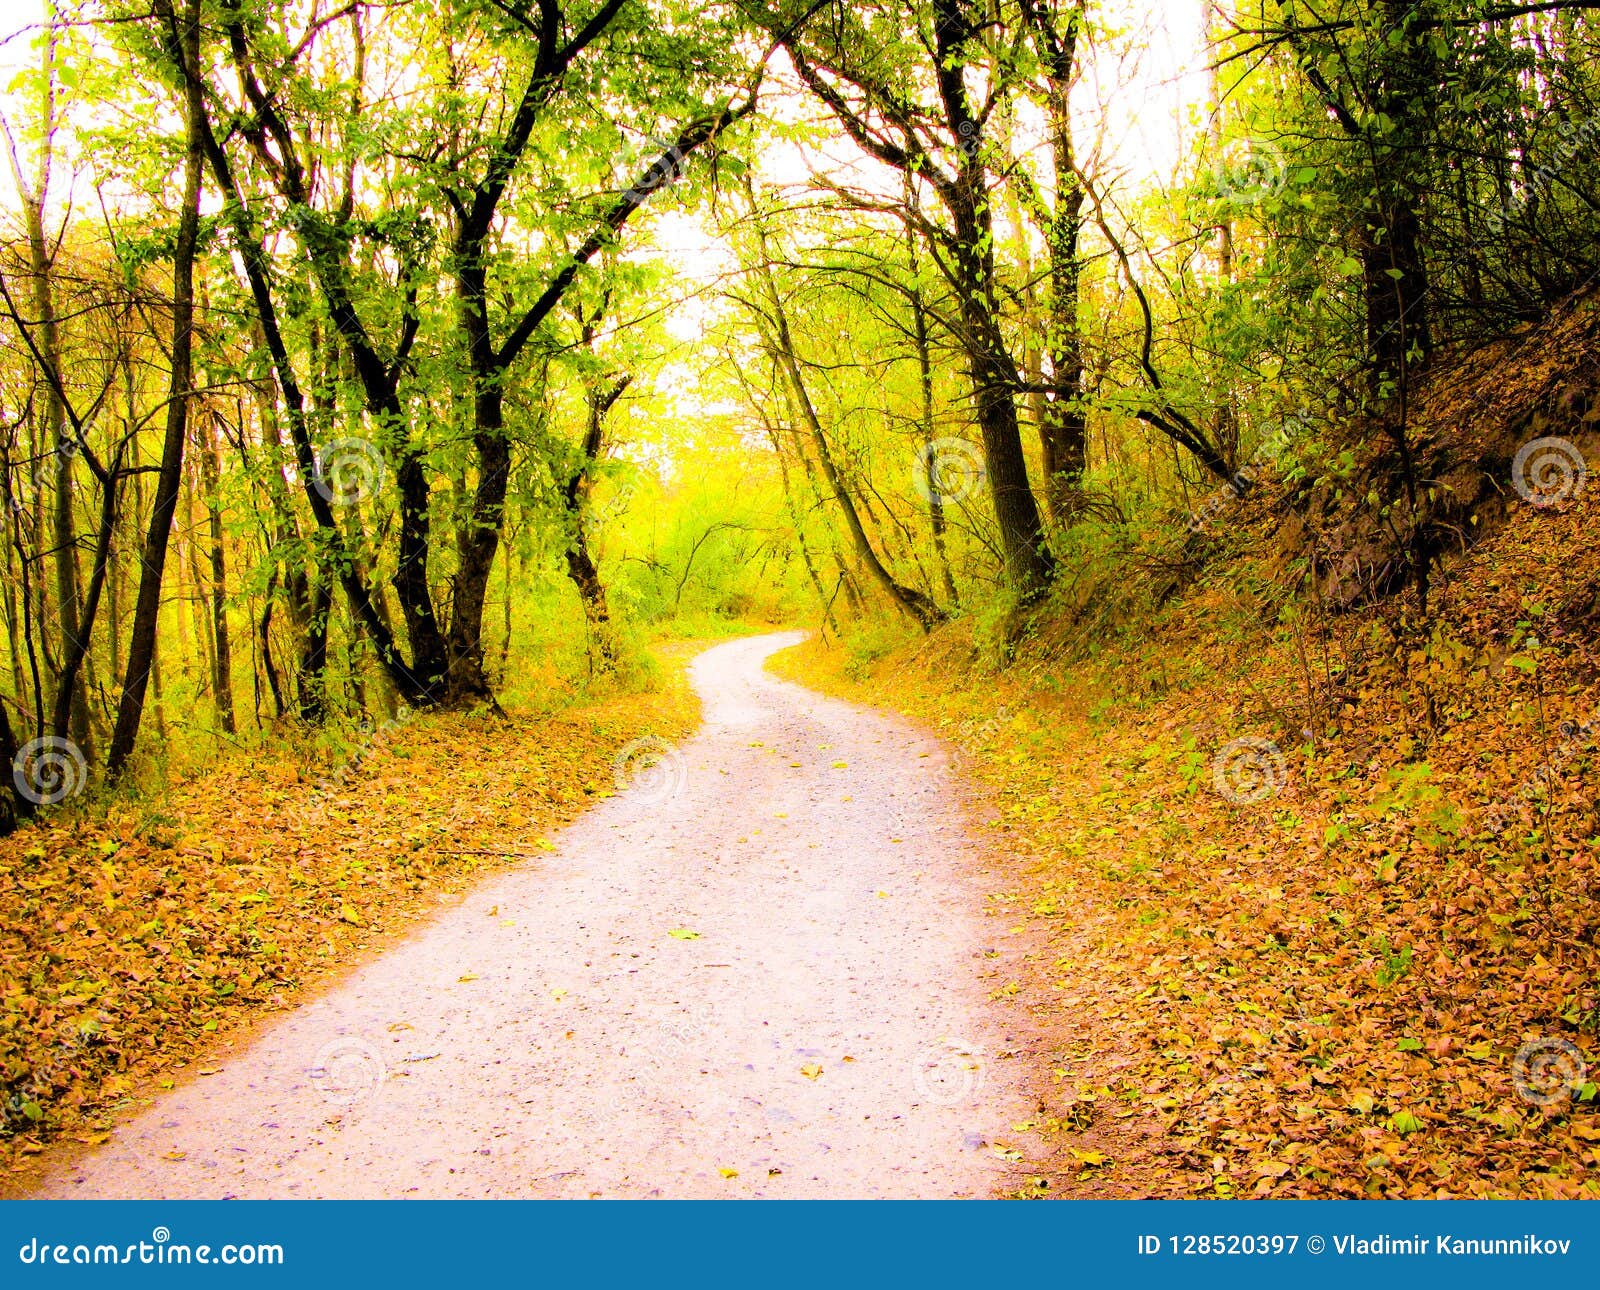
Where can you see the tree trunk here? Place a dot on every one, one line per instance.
(311, 672)
(147, 606)
(61, 443)
(936, 520)
(13, 806)
(1063, 426)
(826, 605)
(222, 659)
(774, 328)
(581, 567)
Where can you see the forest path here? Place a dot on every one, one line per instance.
(759, 971)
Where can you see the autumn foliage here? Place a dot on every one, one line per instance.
(139, 938)
(1314, 978)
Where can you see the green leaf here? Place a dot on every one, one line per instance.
(1404, 1123)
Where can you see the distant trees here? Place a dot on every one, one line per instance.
(343, 352)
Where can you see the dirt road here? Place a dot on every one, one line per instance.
(760, 970)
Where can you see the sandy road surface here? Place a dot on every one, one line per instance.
(824, 1031)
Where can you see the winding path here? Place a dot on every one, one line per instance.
(759, 971)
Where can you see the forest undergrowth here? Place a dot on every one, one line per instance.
(1320, 894)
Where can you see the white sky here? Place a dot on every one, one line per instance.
(14, 16)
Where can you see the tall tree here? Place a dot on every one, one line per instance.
(918, 100)
(180, 41)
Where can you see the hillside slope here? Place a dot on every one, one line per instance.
(1319, 878)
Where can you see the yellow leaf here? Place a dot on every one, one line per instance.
(683, 934)
(349, 915)
(728, 1173)
(467, 976)
(812, 1071)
